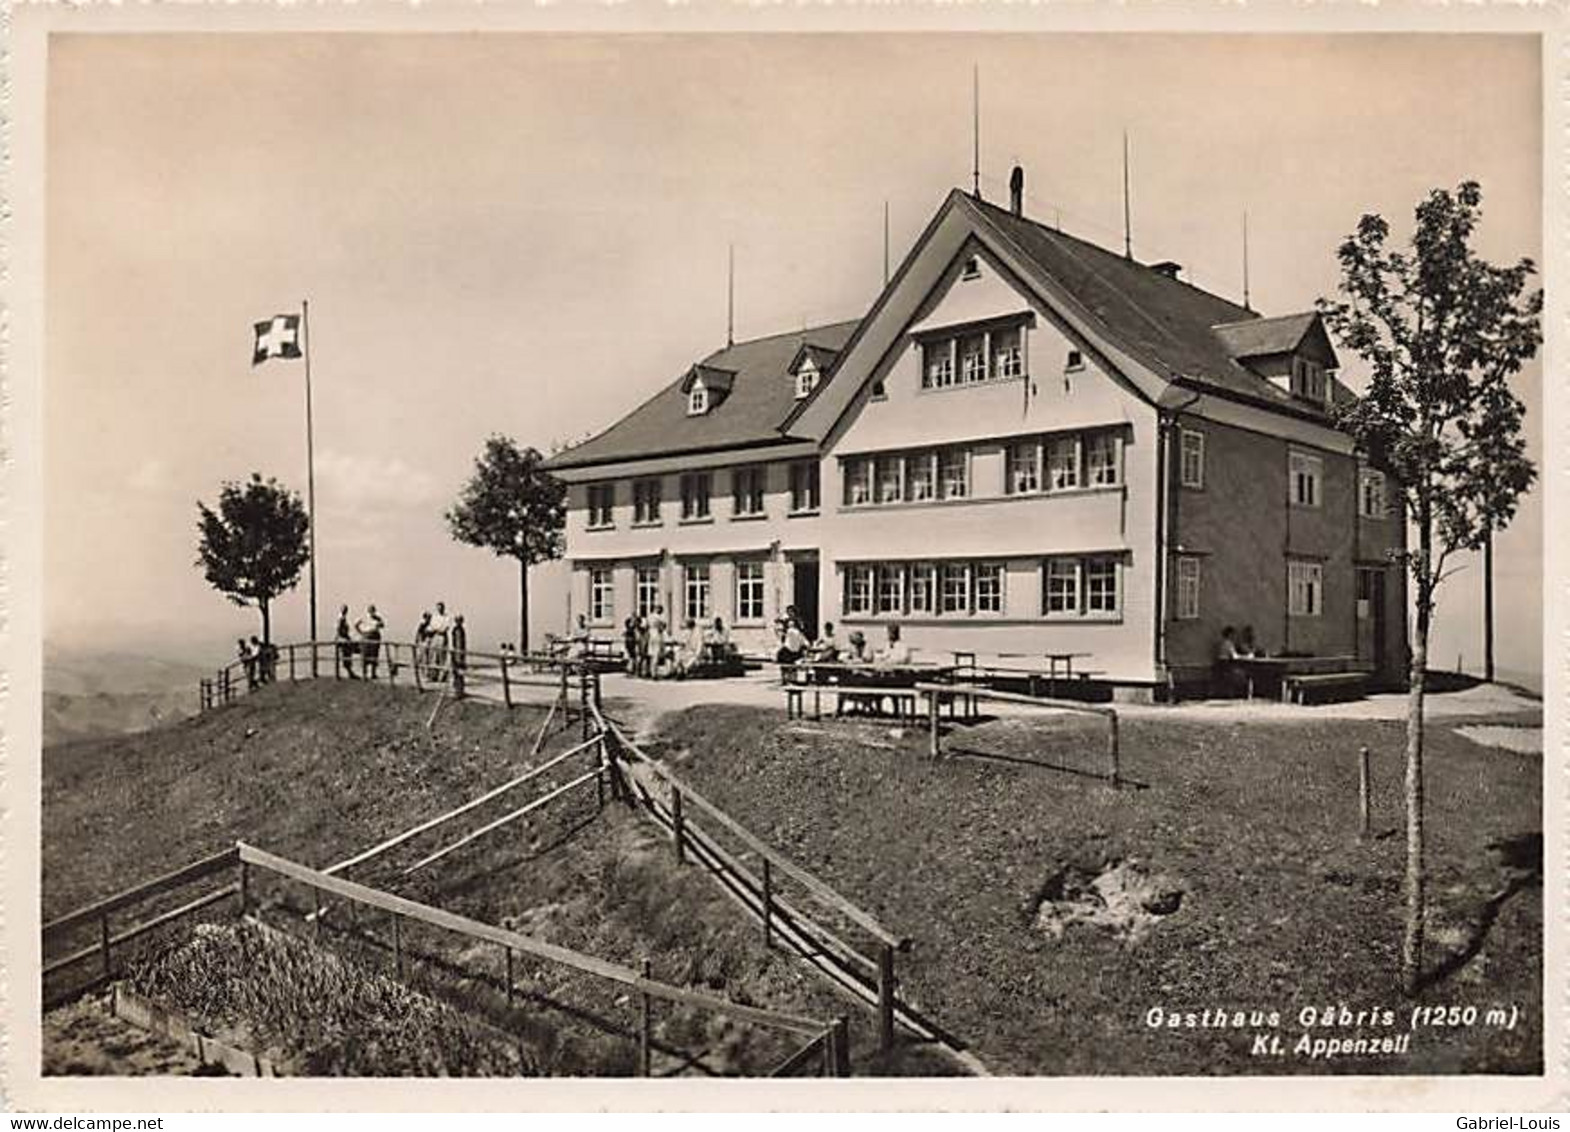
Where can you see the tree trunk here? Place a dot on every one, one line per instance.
(523, 606)
(267, 622)
(1412, 943)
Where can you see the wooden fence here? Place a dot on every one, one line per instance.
(673, 804)
(937, 693)
(425, 667)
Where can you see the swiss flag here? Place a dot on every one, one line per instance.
(278, 337)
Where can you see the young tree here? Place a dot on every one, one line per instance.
(253, 547)
(1442, 331)
(516, 509)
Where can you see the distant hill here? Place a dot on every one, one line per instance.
(92, 694)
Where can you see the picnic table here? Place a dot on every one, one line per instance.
(1279, 671)
(860, 685)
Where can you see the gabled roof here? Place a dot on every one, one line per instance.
(1166, 322)
(713, 377)
(1258, 337)
(761, 404)
(822, 357)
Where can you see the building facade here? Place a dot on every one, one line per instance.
(1029, 444)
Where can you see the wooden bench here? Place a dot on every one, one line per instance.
(1296, 687)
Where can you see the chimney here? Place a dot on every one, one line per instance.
(1017, 191)
(1167, 267)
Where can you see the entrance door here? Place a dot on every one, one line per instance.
(804, 593)
(1372, 623)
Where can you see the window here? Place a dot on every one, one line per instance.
(891, 479)
(1306, 472)
(987, 578)
(1305, 588)
(1008, 353)
(937, 364)
(923, 588)
(747, 484)
(858, 589)
(921, 476)
(973, 358)
(696, 591)
(1062, 581)
(697, 400)
(972, 268)
(891, 589)
(1187, 588)
(954, 473)
(1193, 460)
(1024, 468)
(646, 502)
(647, 589)
(1101, 459)
(602, 594)
(749, 591)
(1371, 493)
(602, 504)
(955, 592)
(695, 496)
(1101, 585)
(806, 380)
(1076, 361)
(1062, 463)
(1308, 380)
(858, 482)
(803, 486)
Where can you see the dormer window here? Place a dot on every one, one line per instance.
(697, 399)
(972, 268)
(1308, 380)
(806, 380)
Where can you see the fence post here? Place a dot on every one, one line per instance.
(932, 720)
(315, 662)
(506, 684)
(644, 1030)
(419, 677)
(768, 905)
(509, 975)
(245, 889)
(1112, 748)
(583, 699)
(1362, 793)
(316, 912)
(678, 826)
(840, 1032)
(599, 774)
(397, 947)
(886, 997)
(566, 701)
(290, 649)
(103, 942)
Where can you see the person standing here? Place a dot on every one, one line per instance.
(345, 643)
(266, 654)
(458, 653)
(370, 629)
(644, 668)
(248, 659)
(658, 630)
(629, 643)
(441, 628)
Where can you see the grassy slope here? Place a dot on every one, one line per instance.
(1283, 908)
(318, 771)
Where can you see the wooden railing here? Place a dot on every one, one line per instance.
(651, 786)
(108, 939)
(937, 693)
(430, 666)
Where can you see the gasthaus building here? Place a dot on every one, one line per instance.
(1028, 445)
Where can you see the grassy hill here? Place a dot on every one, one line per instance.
(318, 771)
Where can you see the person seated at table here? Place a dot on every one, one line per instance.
(826, 649)
(1245, 643)
(793, 645)
(857, 653)
(689, 650)
(716, 641)
(895, 651)
(1230, 679)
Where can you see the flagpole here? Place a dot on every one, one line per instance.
(310, 467)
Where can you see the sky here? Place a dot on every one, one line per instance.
(527, 233)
